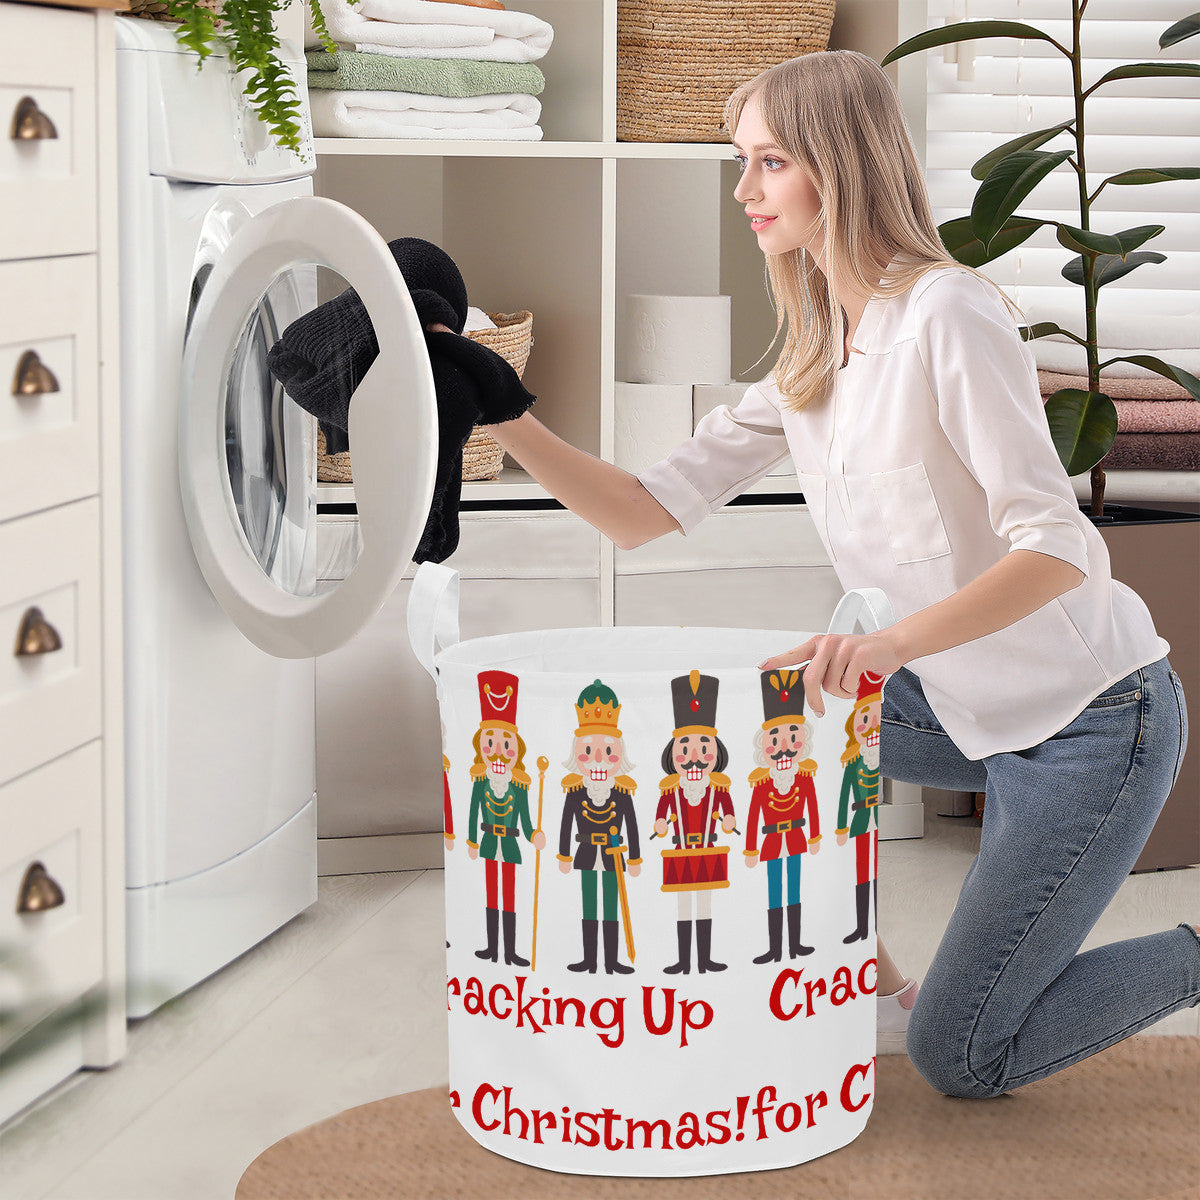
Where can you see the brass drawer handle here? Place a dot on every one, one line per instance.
(39, 891)
(29, 123)
(36, 635)
(33, 377)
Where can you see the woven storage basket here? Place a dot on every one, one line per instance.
(156, 10)
(677, 63)
(512, 339)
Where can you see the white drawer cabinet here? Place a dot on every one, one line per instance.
(62, 932)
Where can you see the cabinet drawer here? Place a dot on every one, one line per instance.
(49, 426)
(48, 183)
(48, 957)
(50, 702)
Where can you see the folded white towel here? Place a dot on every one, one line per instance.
(435, 30)
(503, 117)
(1058, 354)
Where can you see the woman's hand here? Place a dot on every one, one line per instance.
(836, 661)
(438, 327)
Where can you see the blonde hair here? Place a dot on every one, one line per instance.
(837, 115)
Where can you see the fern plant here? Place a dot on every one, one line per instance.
(246, 29)
(1083, 424)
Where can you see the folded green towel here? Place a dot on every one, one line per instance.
(353, 71)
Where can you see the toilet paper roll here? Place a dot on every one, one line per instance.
(707, 396)
(649, 421)
(678, 339)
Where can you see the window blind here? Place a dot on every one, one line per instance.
(986, 92)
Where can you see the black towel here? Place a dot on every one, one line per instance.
(321, 357)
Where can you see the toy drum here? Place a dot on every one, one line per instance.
(694, 870)
(598, 1018)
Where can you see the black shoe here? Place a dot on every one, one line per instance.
(796, 948)
(861, 900)
(589, 950)
(703, 946)
(611, 965)
(511, 957)
(493, 929)
(683, 930)
(774, 936)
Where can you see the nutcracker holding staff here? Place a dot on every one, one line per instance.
(784, 800)
(860, 795)
(500, 807)
(597, 809)
(694, 799)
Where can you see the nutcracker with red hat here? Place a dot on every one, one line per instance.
(693, 805)
(500, 807)
(783, 802)
(860, 795)
(597, 813)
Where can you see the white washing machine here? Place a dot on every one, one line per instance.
(221, 240)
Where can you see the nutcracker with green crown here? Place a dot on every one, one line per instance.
(597, 813)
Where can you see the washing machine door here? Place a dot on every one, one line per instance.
(252, 528)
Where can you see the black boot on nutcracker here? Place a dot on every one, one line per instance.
(775, 936)
(862, 899)
(683, 930)
(703, 946)
(493, 930)
(796, 948)
(588, 963)
(511, 957)
(611, 965)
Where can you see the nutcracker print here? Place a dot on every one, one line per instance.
(783, 801)
(500, 808)
(597, 814)
(693, 801)
(860, 795)
(447, 810)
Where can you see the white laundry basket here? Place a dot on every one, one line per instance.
(613, 1020)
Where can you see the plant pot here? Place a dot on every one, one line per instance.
(1157, 553)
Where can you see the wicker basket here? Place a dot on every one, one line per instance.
(677, 63)
(483, 456)
(156, 10)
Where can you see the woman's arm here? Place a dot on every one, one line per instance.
(1009, 590)
(607, 497)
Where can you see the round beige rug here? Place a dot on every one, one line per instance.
(1118, 1126)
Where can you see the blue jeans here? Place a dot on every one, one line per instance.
(1008, 998)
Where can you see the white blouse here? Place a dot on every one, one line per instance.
(929, 461)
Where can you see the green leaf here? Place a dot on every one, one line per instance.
(964, 31)
(1042, 329)
(1176, 374)
(1144, 71)
(959, 239)
(1088, 241)
(1110, 267)
(1007, 184)
(1186, 28)
(1083, 426)
(1027, 141)
(1153, 175)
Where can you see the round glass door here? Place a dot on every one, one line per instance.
(247, 451)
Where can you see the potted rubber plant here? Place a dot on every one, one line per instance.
(1083, 423)
(1157, 550)
(246, 28)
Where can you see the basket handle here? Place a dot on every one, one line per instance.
(432, 613)
(868, 607)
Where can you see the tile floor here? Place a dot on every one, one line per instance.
(346, 1005)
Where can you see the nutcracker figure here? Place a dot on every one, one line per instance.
(500, 807)
(447, 811)
(597, 812)
(783, 793)
(860, 795)
(694, 798)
